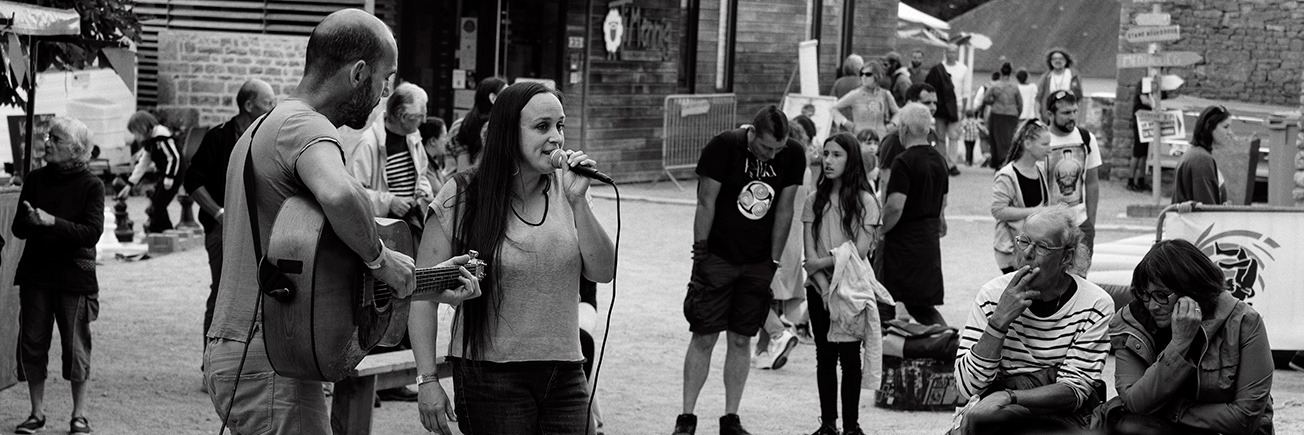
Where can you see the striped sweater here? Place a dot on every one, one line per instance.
(1074, 339)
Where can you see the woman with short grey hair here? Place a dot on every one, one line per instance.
(61, 215)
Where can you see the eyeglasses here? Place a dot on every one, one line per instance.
(1023, 242)
(1163, 298)
(53, 138)
(866, 74)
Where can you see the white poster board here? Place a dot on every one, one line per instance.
(1260, 253)
(1172, 124)
(808, 59)
(820, 111)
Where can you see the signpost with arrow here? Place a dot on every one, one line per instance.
(1153, 28)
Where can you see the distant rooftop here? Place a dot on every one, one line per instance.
(1024, 30)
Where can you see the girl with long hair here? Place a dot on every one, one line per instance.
(1198, 178)
(1020, 189)
(515, 350)
(467, 142)
(841, 209)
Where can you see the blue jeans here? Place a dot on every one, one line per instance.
(520, 398)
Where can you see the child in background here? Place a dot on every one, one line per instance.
(971, 130)
(869, 156)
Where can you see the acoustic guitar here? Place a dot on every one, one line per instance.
(333, 310)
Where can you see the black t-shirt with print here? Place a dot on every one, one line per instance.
(741, 230)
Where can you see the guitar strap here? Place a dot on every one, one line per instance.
(270, 279)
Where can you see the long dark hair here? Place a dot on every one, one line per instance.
(1182, 268)
(854, 182)
(1029, 132)
(487, 200)
(1205, 125)
(469, 133)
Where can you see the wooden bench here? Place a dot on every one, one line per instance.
(354, 397)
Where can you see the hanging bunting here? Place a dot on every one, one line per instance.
(17, 59)
(123, 62)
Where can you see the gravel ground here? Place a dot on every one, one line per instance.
(146, 376)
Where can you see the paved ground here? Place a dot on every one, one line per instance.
(147, 346)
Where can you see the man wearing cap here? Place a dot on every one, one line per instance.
(1073, 161)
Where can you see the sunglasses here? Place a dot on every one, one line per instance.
(866, 74)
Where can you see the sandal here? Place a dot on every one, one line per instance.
(31, 425)
(79, 425)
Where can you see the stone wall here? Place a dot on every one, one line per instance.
(202, 70)
(1253, 52)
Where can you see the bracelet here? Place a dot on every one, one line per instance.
(379, 262)
(426, 378)
(995, 332)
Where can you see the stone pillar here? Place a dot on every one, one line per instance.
(1298, 191)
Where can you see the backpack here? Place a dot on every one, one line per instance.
(1086, 138)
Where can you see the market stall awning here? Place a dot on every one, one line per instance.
(912, 24)
(25, 19)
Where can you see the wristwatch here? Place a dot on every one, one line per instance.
(427, 377)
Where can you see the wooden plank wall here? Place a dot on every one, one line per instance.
(624, 120)
(766, 50)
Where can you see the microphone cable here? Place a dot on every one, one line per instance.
(253, 322)
(606, 330)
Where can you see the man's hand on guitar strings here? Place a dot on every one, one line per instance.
(398, 271)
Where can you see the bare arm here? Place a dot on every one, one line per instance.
(596, 250)
(346, 207)
(892, 208)
(782, 222)
(1093, 195)
(206, 202)
(842, 103)
(707, 191)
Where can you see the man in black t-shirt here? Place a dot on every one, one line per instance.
(890, 146)
(746, 181)
(914, 218)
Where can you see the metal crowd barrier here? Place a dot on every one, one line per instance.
(689, 122)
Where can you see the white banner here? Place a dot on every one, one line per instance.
(1261, 254)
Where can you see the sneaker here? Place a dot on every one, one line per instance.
(31, 425)
(780, 347)
(954, 171)
(685, 424)
(827, 429)
(853, 430)
(804, 336)
(79, 425)
(762, 360)
(730, 425)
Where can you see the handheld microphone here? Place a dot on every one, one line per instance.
(558, 160)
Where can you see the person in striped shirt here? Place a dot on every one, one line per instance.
(390, 160)
(1036, 339)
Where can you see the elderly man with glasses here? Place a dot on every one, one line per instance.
(1036, 339)
(390, 161)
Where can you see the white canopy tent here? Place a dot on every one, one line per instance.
(33, 22)
(915, 25)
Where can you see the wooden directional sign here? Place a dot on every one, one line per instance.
(1154, 19)
(1154, 34)
(1147, 60)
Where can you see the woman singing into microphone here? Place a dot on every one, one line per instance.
(515, 350)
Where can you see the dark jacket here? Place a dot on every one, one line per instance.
(62, 256)
(207, 167)
(1197, 179)
(940, 80)
(1222, 383)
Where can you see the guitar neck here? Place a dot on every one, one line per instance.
(436, 279)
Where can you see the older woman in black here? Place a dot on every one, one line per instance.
(61, 214)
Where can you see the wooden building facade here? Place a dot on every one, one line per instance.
(615, 61)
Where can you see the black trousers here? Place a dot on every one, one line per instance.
(827, 357)
(159, 221)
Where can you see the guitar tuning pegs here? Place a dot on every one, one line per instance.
(473, 253)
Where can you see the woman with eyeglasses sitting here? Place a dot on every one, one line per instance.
(1190, 357)
(1198, 178)
(1020, 189)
